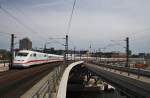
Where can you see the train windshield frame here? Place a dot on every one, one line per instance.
(23, 54)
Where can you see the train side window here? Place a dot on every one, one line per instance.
(31, 55)
(44, 55)
(34, 54)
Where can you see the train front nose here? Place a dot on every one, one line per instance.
(18, 63)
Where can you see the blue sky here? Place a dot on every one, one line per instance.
(94, 22)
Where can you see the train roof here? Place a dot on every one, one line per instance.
(55, 55)
(30, 51)
(27, 51)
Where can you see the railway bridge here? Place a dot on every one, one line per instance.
(51, 81)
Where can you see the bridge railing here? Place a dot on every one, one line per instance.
(46, 87)
(63, 83)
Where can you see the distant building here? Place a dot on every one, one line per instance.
(110, 54)
(25, 44)
(142, 55)
(148, 55)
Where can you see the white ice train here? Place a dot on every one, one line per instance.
(26, 58)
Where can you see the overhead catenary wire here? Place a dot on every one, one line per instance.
(134, 34)
(15, 18)
(54, 39)
(21, 23)
(138, 38)
(23, 14)
(70, 19)
(71, 41)
(5, 33)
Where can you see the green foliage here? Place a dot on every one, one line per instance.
(5, 54)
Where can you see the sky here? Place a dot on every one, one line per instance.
(95, 23)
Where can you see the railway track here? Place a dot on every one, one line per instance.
(137, 71)
(131, 87)
(15, 82)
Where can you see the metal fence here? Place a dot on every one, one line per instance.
(4, 63)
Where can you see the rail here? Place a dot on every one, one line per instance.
(137, 71)
(134, 88)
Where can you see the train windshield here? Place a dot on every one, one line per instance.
(22, 54)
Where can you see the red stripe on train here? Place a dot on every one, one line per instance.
(31, 61)
(36, 61)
